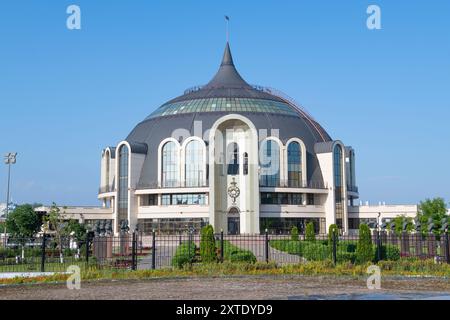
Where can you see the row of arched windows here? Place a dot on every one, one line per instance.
(195, 166)
(270, 164)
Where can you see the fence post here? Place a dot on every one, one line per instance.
(43, 253)
(334, 247)
(447, 247)
(87, 249)
(378, 246)
(221, 245)
(267, 246)
(140, 241)
(133, 252)
(153, 250)
(189, 247)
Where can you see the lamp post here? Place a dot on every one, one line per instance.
(10, 158)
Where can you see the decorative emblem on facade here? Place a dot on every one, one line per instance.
(233, 190)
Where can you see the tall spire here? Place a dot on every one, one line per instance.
(227, 59)
(227, 76)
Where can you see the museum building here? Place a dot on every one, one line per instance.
(240, 157)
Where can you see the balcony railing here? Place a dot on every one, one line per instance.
(106, 189)
(204, 184)
(293, 184)
(172, 184)
(352, 188)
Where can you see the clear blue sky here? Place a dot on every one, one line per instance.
(64, 95)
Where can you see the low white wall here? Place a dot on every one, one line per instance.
(386, 211)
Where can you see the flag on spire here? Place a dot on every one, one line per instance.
(228, 32)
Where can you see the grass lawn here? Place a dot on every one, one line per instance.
(403, 267)
(36, 267)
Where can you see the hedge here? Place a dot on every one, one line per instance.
(389, 252)
(346, 250)
(183, 255)
(236, 254)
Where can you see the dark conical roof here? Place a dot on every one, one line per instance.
(229, 92)
(227, 83)
(227, 76)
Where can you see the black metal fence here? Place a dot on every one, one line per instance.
(177, 250)
(52, 254)
(40, 254)
(155, 251)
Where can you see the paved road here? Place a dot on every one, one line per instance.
(166, 246)
(231, 288)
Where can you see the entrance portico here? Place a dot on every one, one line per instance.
(233, 171)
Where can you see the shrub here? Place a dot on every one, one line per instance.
(342, 256)
(333, 232)
(310, 234)
(289, 246)
(347, 245)
(235, 254)
(316, 252)
(364, 249)
(184, 254)
(389, 252)
(294, 233)
(208, 244)
(242, 256)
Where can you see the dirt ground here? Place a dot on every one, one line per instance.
(228, 288)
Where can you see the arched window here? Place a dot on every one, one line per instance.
(194, 164)
(294, 154)
(107, 168)
(352, 182)
(170, 165)
(339, 190)
(123, 184)
(233, 158)
(245, 169)
(270, 164)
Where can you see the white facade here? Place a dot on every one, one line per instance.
(318, 203)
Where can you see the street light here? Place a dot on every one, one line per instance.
(10, 158)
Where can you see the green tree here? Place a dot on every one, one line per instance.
(294, 233)
(208, 244)
(310, 234)
(364, 248)
(23, 222)
(77, 230)
(435, 209)
(399, 221)
(56, 223)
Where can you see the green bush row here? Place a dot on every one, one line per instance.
(345, 250)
